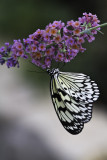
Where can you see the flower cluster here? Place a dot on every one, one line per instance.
(58, 42)
(11, 53)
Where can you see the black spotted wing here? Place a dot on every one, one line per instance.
(64, 110)
(82, 89)
(72, 95)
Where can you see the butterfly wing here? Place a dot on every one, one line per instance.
(82, 90)
(64, 112)
(79, 86)
(72, 95)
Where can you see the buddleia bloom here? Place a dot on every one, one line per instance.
(58, 42)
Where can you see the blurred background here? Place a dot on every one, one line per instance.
(29, 127)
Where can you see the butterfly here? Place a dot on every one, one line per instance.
(72, 95)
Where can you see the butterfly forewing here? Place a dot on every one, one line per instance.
(72, 95)
(63, 111)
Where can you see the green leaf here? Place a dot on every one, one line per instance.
(89, 24)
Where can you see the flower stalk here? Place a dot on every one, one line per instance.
(93, 28)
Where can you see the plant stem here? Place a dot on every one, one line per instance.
(93, 28)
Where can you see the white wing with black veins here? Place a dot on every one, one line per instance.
(72, 95)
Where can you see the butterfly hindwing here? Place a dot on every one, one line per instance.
(80, 86)
(82, 90)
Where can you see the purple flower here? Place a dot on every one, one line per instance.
(9, 48)
(58, 42)
(53, 32)
(33, 48)
(81, 49)
(43, 66)
(70, 23)
(38, 33)
(75, 46)
(47, 37)
(76, 24)
(47, 31)
(20, 53)
(31, 37)
(49, 52)
(70, 42)
(36, 62)
(65, 30)
(2, 61)
(2, 49)
(7, 44)
(59, 57)
(14, 51)
(19, 46)
(80, 40)
(74, 52)
(36, 55)
(67, 59)
(57, 39)
(58, 24)
(25, 56)
(90, 38)
(27, 49)
(77, 31)
(26, 41)
(94, 32)
(11, 62)
(42, 47)
(47, 62)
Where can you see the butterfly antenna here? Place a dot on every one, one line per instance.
(51, 65)
(35, 71)
(62, 66)
(58, 66)
(43, 71)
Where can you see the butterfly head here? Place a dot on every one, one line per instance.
(53, 71)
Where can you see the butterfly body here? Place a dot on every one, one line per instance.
(72, 96)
